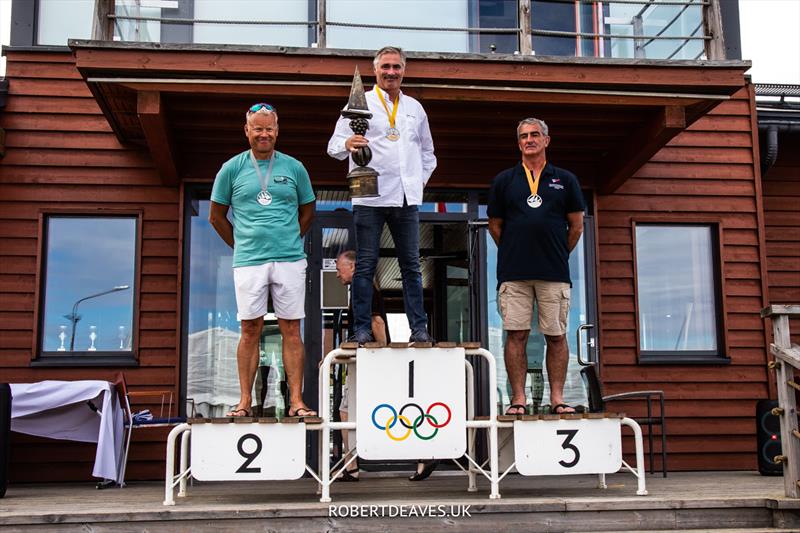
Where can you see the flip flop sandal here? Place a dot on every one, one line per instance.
(302, 412)
(234, 415)
(516, 406)
(558, 406)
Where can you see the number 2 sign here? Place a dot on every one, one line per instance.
(411, 403)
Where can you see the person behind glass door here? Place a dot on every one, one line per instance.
(345, 268)
(536, 219)
(402, 153)
(273, 205)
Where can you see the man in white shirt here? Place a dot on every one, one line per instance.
(402, 153)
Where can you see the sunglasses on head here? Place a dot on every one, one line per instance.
(258, 107)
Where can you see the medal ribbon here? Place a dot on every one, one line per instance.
(393, 115)
(263, 182)
(533, 183)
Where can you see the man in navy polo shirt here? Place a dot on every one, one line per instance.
(536, 219)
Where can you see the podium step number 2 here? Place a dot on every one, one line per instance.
(248, 452)
(411, 403)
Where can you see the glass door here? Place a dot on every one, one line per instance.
(489, 324)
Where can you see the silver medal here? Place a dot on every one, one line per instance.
(264, 198)
(534, 201)
(393, 134)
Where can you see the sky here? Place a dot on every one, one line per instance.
(771, 39)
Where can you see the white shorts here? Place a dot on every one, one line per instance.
(349, 390)
(285, 281)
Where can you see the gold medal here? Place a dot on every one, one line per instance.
(393, 134)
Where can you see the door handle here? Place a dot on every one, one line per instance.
(579, 344)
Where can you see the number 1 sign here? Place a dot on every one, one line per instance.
(411, 403)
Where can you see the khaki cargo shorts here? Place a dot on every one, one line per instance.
(516, 298)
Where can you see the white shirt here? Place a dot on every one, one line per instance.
(404, 166)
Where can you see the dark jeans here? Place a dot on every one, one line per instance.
(404, 226)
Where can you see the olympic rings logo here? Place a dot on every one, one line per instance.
(406, 423)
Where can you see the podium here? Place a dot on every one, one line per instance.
(412, 404)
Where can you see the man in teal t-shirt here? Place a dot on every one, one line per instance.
(273, 204)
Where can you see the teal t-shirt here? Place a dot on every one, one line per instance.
(264, 233)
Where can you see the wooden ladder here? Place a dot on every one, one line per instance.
(787, 360)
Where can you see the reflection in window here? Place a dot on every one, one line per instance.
(676, 288)
(212, 376)
(88, 285)
(59, 20)
(536, 349)
(250, 10)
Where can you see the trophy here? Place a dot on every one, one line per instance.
(62, 336)
(363, 180)
(92, 337)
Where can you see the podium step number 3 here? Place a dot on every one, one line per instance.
(564, 447)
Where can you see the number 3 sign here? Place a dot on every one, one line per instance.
(558, 447)
(411, 403)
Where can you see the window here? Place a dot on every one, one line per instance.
(59, 20)
(678, 292)
(88, 288)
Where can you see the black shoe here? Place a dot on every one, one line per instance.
(420, 335)
(427, 470)
(361, 337)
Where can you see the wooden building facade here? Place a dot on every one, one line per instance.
(120, 129)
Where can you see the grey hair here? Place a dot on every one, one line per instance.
(534, 121)
(350, 255)
(389, 50)
(263, 111)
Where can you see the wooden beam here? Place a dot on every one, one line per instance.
(149, 107)
(641, 145)
(712, 26)
(102, 25)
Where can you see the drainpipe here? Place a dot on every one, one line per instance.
(769, 153)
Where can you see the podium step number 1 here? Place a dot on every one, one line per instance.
(411, 403)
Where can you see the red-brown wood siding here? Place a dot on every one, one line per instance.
(705, 173)
(62, 154)
(781, 189)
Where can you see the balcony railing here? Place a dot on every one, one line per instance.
(654, 29)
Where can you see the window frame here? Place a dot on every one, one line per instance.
(685, 357)
(99, 358)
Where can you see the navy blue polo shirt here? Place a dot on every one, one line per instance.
(533, 242)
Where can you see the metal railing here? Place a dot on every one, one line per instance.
(112, 16)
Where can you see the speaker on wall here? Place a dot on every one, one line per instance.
(768, 438)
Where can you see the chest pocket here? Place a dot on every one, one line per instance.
(412, 127)
(282, 187)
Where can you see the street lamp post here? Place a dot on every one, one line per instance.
(74, 317)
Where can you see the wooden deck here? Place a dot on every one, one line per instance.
(710, 501)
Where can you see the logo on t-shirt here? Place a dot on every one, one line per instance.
(554, 183)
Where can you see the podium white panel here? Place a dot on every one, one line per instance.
(246, 452)
(563, 447)
(411, 403)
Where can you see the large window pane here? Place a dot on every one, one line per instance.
(536, 349)
(212, 376)
(420, 13)
(251, 10)
(675, 277)
(59, 20)
(89, 285)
